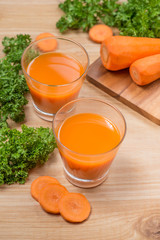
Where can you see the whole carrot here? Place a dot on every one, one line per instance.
(119, 52)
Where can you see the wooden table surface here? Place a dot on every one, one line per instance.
(127, 205)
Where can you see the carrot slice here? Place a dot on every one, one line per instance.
(74, 207)
(48, 44)
(50, 195)
(39, 183)
(100, 32)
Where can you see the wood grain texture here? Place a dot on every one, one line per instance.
(127, 205)
(145, 100)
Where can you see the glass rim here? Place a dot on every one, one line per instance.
(58, 38)
(100, 101)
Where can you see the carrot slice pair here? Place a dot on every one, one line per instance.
(100, 32)
(46, 45)
(54, 198)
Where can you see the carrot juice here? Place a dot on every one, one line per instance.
(55, 80)
(85, 139)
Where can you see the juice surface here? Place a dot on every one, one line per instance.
(88, 133)
(54, 69)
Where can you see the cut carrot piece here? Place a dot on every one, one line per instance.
(39, 183)
(119, 52)
(46, 45)
(50, 195)
(100, 32)
(74, 207)
(145, 70)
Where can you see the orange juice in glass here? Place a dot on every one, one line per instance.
(88, 134)
(54, 77)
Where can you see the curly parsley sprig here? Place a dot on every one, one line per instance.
(21, 151)
(13, 86)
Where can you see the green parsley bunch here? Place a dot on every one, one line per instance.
(21, 151)
(139, 18)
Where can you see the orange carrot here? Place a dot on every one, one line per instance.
(39, 183)
(98, 33)
(46, 45)
(145, 70)
(119, 52)
(74, 207)
(50, 195)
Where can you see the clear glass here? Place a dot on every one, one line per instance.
(48, 99)
(85, 170)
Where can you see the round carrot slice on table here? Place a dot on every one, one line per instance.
(98, 33)
(46, 45)
(39, 183)
(50, 195)
(74, 207)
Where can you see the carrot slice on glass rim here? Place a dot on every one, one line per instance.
(46, 45)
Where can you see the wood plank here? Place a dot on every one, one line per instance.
(145, 100)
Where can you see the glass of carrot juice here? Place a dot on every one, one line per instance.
(55, 69)
(88, 134)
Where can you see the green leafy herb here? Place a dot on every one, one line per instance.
(109, 9)
(83, 14)
(139, 18)
(133, 18)
(12, 82)
(21, 151)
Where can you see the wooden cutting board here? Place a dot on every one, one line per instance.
(145, 100)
